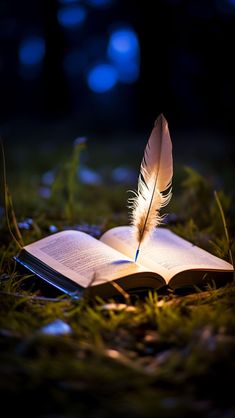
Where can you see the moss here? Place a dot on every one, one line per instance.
(168, 356)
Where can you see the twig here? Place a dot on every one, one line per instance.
(225, 226)
(121, 291)
(7, 200)
(116, 286)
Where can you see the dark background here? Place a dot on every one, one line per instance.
(186, 72)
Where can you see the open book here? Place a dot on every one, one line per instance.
(75, 262)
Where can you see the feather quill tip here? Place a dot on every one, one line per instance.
(136, 255)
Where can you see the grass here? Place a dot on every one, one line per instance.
(166, 354)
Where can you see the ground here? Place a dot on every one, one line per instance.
(164, 354)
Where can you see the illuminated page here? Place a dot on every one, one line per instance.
(166, 253)
(82, 258)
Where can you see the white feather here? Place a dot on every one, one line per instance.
(154, 182)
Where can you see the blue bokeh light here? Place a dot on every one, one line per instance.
(89, 176)
(32, 50)
(123, 44)
(57, 327)
(124, 53)
(71, 16)
(102, 77)
(232, 2)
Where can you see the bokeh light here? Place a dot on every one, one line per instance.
(102, 77)
(124, 52)
(123, 44)
(71, 16)
(31, 51)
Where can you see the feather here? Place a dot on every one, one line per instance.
(154, 183)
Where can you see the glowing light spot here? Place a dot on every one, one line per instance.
(89, 176)
(31, 51)
(53, 229)
(113, 354)
(102, 78)
(25, 224)
(58, 327)
(71, 16)
(124, 52)
(123, 44)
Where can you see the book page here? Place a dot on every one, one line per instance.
(82, 258)
(165, 252)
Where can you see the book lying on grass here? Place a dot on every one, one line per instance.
(75, 262)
